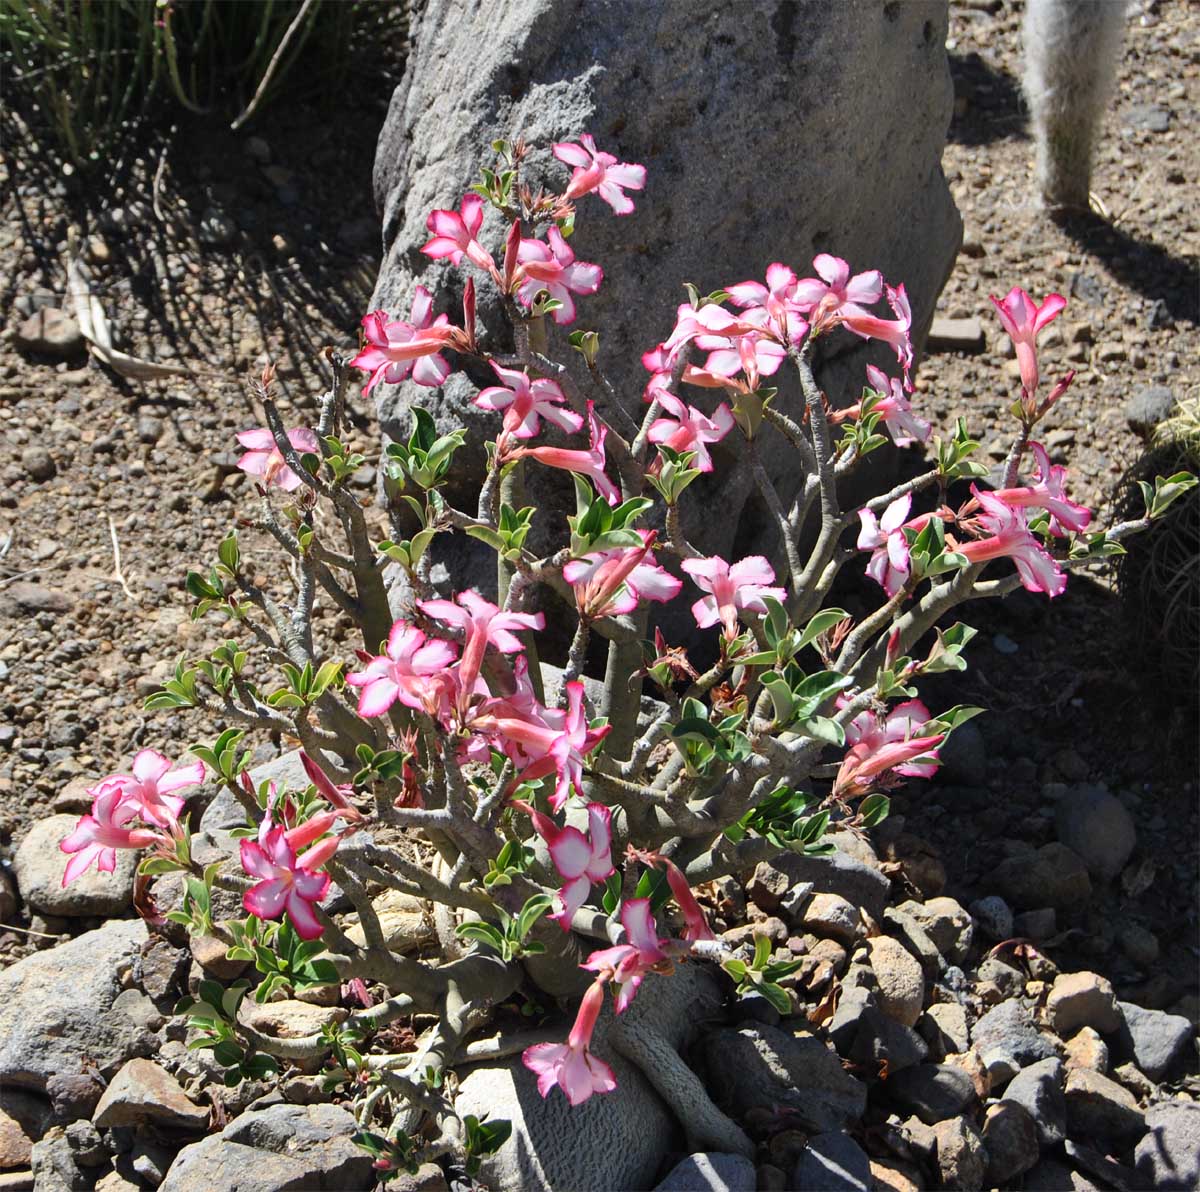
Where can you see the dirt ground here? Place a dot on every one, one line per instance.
(215, 252)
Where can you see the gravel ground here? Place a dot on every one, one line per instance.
(214, 252)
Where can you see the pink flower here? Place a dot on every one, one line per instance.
(600, 172)
(894, 333)
(690, 323)
(696, 924)
(98, 836)
(1048, 494)
(337, 796)
(747, 349)
(552, 267)
(397, 673)
(836, 294)
(151, 785)
(777, 300)
(396, 348)
(867, 733)
(742, 586)
(902, 424)
(690, 430)
(870, 759)
(264, 458)
(551, 740)
(611, 582)
(1011, 536)
(580, 859)
(481, 622)
(288, 883)
(455, 232)
(526, 402)
(1023, 319)
(589, 463)
(627, 964)
(570, 1065)
(889, 563)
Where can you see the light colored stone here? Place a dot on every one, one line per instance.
(944, 1027)
(289, 1019)
(901, 981)
(57, 1007)
(1082, 999)
(142, 1092)
(40, 863)
(961, 1156)
(832, 915)
(1168, 1158)
(894, 1175)
(832, 1162)
(1086, 1050)
(947, 922)
(955, 335)
(1154, 1038)
(1100, 1109)
(405, 921)
(1011, 1137)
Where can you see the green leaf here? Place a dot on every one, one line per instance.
(780, 692)
(826, 619)
(762, 951)
(694, 728)
(873, 810)
(776, 996)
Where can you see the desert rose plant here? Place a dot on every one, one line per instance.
(564, 833)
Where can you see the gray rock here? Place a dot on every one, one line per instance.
(1100, 1109)
(55, 1167)
(901, 982)
(961, 1156)
(1039, 1089)
(831, 915)
(862, 1033)
(832, 1162)
(1009, 1027)
(944, 1027)
(1010, 981)
(1109, 1172)
(628, 1132)
(39, 464)
(1041, 924)
(964, 756)
(142, 1092)
(933, 1092)
(858, 883)
(916, 939)
(993, 917)
(225, 812)
(676, 79)
(278, 1148)
(1095, 825)
(1168, 1158)
(1049, 1175)
(1147, 408)
(1152, 1038)
(1082, 999)
(947, 923)
(1053, 876)
(710, 1171)
(51, 332)
(56, 1007)
(39, 866)
(1139, 944)
(1010, 1135)
(762, 1067)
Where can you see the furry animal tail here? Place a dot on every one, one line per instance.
(1071, 53)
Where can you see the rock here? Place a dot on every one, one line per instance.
(1168, 1158)
(1152, 1038)
(830, 914)
(1049, 1175)
(74, 798)
(971, 1062)
(1139, 944)
(275, 1148)
(142, 1092)
(1086, 1050)
(1008, 980)
(1082, 999)
(54, 1166)
(151, 1162)
(8, 897)
(50, 332)
(289, 1019)
(1037, 925)
(217, 229)
(161, 969)
(1053, 876)
(955, 335)
(916, 939)
(1039, 1090)
(894, 1175)
(1009, 1027)
(74, 1095)
(961, 1156)
(39, 464)
(1000, 1065)
(993, 917)
(39, 866)
(1109, 1172)
(860, 884)
(1100, 1109)
(23, 1120)
(1095, 825)
(901, 982)
(832, 1162)
(86, 1144)
(710, 1171)
(932, 1091)
(405, 922)
(768, 887)
(1010, 1135)
(919, 863)
(645, 71)
(1147, 408)
(862, 1033)
(210, 954)
(945, 921)
(762, 1067)
(34, 598)
(944, 1027)
(57, 1007)
(964, 756)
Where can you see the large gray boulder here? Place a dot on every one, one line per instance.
(56, 1008)
(770, 132)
